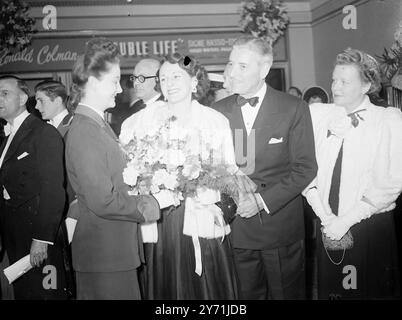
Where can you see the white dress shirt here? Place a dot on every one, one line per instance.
(10, 130)
(249, 115)
(55, 122)
(152, 100)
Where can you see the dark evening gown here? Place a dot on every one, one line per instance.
(374, 257)
(169, 272)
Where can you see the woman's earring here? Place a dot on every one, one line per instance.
(194, 90)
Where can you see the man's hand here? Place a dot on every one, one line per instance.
(149, 208)
(38, 253)
(249, 205)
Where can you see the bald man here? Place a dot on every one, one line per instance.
(143, 90)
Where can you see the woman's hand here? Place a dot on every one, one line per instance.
(336, 228)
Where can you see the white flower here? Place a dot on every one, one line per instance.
(162, 177)
(177, 197)
(174, 157)
(192, 168)
(130, 175)
(176, 133)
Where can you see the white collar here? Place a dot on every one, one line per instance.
(102, 114)
(18, 120)
(152, 100)
(261, 94)
(148, 102)
(365, 102)
(55, 122)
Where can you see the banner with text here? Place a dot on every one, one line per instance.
(59, 54)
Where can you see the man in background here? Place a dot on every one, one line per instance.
(32, 197)
(51, 101)
(143, 92)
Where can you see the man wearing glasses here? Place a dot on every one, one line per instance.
(143, 82)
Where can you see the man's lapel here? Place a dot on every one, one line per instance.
(269, 111)
(239, 133)
(234, 114)
(20, 135)
(63, 126)
(3, 145)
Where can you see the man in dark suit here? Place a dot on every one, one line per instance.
(32, 195)
(142, 91)
(274, 130)
(51, 101)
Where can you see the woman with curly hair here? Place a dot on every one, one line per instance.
(358, 147)
(190, 257)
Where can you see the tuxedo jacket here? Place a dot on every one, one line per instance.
(65, 124)
(63, 128)
(284, 165)
(32, 174)
(106, 237)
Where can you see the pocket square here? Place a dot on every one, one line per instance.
(275, 140)
(22, 155)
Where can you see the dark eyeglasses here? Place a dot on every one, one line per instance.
(141, 78)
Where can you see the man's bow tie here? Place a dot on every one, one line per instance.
(241, 101)
(355, 116)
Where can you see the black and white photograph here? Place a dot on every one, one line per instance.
(199, 155)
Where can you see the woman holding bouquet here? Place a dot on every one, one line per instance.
(192, 257)
(359, 178)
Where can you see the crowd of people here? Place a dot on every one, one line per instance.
(65, 202)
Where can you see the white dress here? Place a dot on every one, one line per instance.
(192, 257)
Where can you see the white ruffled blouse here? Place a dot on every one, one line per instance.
(371, 173)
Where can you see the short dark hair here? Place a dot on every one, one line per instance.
(316, 91)
(22, 85)
(367, 65)
(99, 55)
(193, 68)
(53, 89)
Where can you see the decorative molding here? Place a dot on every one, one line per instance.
(141, 10)
(86, 33)
(80, 3)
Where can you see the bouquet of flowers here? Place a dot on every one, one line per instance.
(170, 164)
(16, 26)
(266, 19)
